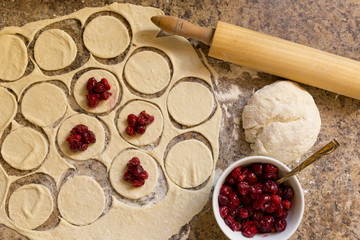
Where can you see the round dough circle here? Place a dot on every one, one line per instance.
(153, 131)
(81, 200)
(147, 72)
(118, 168)
(13, 57)
(7, 113)
(93, 124)
(3, 184)
(44, 104)
(190, 103)
(189, 163)
(80, 91)
(281, 120)
(30, 206)
(106, 37)
(24, 148)
(54, 49)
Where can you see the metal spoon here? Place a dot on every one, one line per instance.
(328, 148)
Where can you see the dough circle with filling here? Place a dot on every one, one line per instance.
(106, 37)
(118, 168)
(81, 200)
(54, 49)
(13, 57)
(44, 104)
(80, 91)
(7, 113)
(93, 125)
(153, 130)
(24, 148)
(147, 72)
(30, 206)
(189, 163)
(281, 120)
(190, 103)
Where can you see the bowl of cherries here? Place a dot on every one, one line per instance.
(248, 203)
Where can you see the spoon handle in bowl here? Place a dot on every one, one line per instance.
(328, 148)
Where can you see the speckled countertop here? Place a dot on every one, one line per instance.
(332, 186)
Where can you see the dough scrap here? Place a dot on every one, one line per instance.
(118, 168)
(281, 120)
(189, 163)
(30, 206)
(93, 124)
(106, 37)
(7, 113)
(54, 49)
(153, 131)
(81, 200)
(190, 103)
(80, 91)
(24, 148)
(13, 57)
(44, 104)
(147, 72)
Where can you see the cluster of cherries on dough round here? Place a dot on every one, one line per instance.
(251, 202)
(97, 91)
(80, 137)
(137, 124)
(135, 174)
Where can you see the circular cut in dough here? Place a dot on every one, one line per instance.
(147, 72)
(153, 131)
(93, 124)
(106, 37)
(80, 91)
(44, 104)
(190, 103)
(81, 200)
(30, 206)
(189, 163)
(13, 57)
(7, 113)
(281, 120)
(54, 50)
(118, 168)
(24, 148)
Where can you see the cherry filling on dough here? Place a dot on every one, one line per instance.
(135, 174)
(251, 202)
(137, 124)
(97, 91)
(80, 137)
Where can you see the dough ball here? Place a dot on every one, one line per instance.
(118, 168)
(54, 50)
(190, 103)
(24, 148)
(81, 200)
(281, 121)
(30, 206)
(13, 57)
(153, 130)
(106, 37)
(147, 72)
(44, 104)
(189, 163)
(80, 91)
(7, 113)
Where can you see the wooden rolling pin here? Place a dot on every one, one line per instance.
(272, 55)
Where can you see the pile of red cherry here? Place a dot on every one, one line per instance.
(135, 174)
(251, 202)
(80, 137)
(97, 91)
(138, 124)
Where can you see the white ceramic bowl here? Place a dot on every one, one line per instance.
(295, 213)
